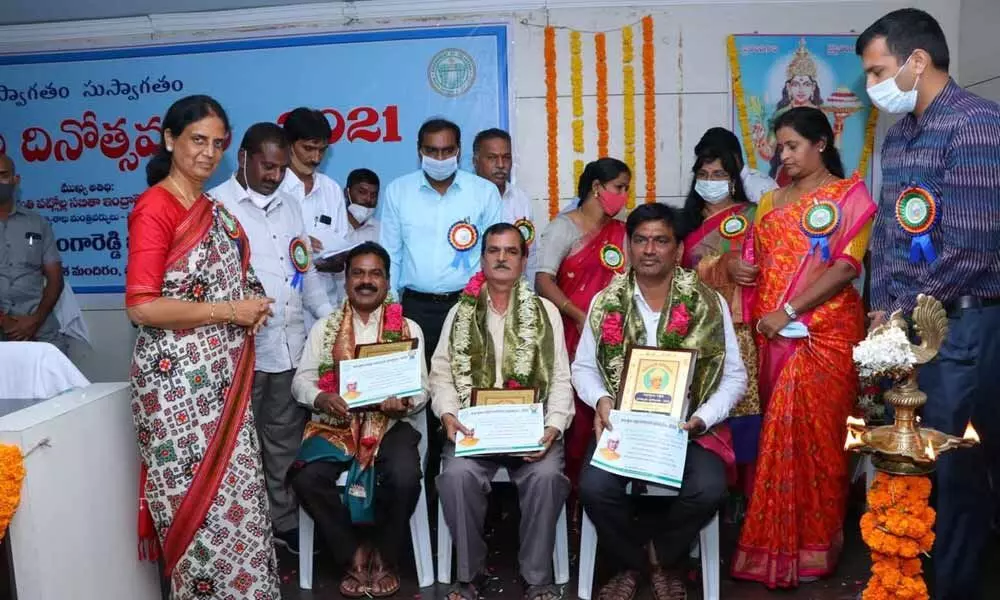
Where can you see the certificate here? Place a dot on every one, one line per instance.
(370, 350)
(656, 380)
(367, 381)
(494, 397)
(500, 429)
(647, 446)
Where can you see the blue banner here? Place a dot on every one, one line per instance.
(81, 125)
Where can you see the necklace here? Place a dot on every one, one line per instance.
(786, 192)
(188, 202)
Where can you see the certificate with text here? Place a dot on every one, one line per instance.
(501, 429)
(647, 446)
(367, 381)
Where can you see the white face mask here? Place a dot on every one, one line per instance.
(439, 170)
(712, 191)
(888, 97)
(259, 200)
(359, 212)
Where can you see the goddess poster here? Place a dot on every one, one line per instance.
(773, 73)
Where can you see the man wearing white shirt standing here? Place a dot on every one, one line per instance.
(280, 257)
(492, 157)
(320, 197)
(661, 305)
(755, 183)
(360, 198)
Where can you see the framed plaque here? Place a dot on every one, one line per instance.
(370, 350)
(656, 380)
(495, 397)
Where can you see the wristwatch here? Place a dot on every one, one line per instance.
(790, 311)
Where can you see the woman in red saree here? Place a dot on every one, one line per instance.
(196, 300)
(582, 249)
(719, 214)
(808, 242)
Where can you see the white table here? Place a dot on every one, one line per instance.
(74, 534)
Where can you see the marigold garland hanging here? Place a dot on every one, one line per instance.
(628, 107)
(898, 527)
(866, 151)
(552, 120)
(578, 166)
(649, 106)
(601, 54)
(741, 103)
(11, 475)
(576, 88)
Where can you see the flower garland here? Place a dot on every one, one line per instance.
(576, 88)
(866, 151)
(601, 53)
(898, 527)
(552, 120)
(523, 353)
(11, 475)
(578, 167)
(741, 103)
(628, 106)
(649, 106)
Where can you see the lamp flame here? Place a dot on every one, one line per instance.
(970, 434)
(853, 441)
(929, 451)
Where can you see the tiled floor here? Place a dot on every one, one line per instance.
(847, 584)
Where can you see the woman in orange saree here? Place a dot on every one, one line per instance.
(582, 250)
(197, 302)
(719, 214)
(808, 242)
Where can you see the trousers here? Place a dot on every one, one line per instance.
(280, 422)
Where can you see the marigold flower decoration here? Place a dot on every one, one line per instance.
(11, 476)
(576, 88)
(898, 527)
(628, 107)
(649, 106)
(552, 120)
(601, 67)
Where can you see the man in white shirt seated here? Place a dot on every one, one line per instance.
(493, 159)
(320, 197)
(658, 304)
(279, 254)
(477, 351)
(755, 183)
(376, 449)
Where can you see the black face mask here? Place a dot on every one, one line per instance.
(6, 192)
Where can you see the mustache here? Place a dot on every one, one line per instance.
(501, 265)
(366, 287)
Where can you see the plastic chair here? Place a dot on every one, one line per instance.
(709, 547)
(420, 528)
(560, 553)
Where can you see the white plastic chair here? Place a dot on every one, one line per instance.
(560, 553)
(709, 549)
(420, 528)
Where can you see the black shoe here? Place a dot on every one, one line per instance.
(289, 540)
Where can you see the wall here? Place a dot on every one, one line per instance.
(692, 90)
(979, 47)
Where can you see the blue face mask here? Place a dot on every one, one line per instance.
(794, 330)
(439, 170)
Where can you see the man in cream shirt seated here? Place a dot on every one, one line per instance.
(671, 309)
(376, 448)
(280, 258)
(512, 312)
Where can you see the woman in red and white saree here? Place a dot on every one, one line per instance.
(196, 300)
(582, 250)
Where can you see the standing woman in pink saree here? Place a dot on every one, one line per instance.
(808, 240)
(198, 304)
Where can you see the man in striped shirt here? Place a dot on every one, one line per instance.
(941, 166)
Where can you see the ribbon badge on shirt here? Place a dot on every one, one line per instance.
(819, 223)
(463, 236)
(917, 212)
(612, 257)
(527, 229)
(229, 223)
(731, 228)
(300, 261)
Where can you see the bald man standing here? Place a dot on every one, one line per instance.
(31, 276)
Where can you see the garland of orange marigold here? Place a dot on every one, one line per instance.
(741, 102)
(898, 527)
(576, 88)
(866, 152)
(601, 54)
(628, 106)
(11, 476)
(552, 119)
(649, 106)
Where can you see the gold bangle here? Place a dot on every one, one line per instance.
(232, 311)
(211, 314)
(562, 307)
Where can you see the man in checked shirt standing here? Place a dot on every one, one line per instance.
(937, 232)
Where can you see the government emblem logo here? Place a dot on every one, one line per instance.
(451, 72)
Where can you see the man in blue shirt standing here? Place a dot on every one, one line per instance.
(937, 233)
